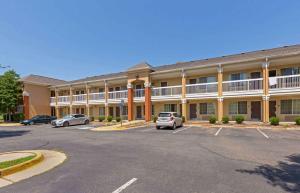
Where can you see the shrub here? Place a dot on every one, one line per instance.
(183, 119)
(297, 120)
(118, 119)
(154, 118)
(109, 118)
(92, 118)
(212, 119)
(101, 118)
(225, 119)
(1, 118)
(274, 121)
(239, 119)
(18, 117)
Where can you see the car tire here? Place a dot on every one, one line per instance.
(174, 126)
(66, 124)
(86, 122)
(157, 127)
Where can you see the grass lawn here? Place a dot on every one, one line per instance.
(10, 163)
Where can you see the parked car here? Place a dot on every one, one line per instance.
(169, 119)
(39, 119)
(74, 119)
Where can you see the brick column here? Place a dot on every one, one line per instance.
(106, 99)
(183, 94)
(220, 93)
(266, 96)
(148, 104)
(71, 100)
(26, 105)
(130, 102)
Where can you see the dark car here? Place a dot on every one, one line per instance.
(39, 119)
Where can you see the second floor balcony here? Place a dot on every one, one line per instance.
(283, 84)
(243, 87)
(169, 92)
(202, 90)
(97, 97)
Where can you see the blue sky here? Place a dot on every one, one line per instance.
(71, 39)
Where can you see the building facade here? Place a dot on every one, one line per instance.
(257, 85)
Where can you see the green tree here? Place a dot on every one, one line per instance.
(10, 92)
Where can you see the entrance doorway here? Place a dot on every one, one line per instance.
(272, 109)
(255, 110)
(139, 112)
(193, 111)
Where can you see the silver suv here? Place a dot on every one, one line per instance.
(74, 119)
(168, 119)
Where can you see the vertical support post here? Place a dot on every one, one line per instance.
(266, 96)
(26, 105)
(220, 93)
(87, 88)
(130, 102)
(71, 100)
(106, 99)
(56, 104)
(183, 94)
(148, 101)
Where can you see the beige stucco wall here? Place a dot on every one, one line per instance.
(171, 82)
(197, 102)
(284, 117)
(39, 99)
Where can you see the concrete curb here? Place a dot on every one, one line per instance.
(16, 168)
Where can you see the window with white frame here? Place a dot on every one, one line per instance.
(207, 108)
(102, 111)
(170, 107)
(238, 76)
(290, 106)
(125, 110)
(238, 108)
(290, 71)
(207, 79)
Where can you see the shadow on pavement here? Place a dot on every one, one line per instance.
(4, 134)
(285, 174)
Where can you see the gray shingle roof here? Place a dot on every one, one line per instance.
(143, 65)
(37, 79)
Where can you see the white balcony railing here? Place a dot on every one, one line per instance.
(63, 99)
(118, 94)
(284, 82)
(248, 85)
(79, 98)
(139, 93)
(167, 91)
(52, 100)
(202, 88)
(97, 96)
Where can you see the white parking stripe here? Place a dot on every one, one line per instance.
(219, 130)
(265, 135)
(123, 187)
(179, 130)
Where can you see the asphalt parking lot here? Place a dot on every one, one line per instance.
(187, 160)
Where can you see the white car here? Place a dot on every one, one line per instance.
(168, 119)
(75, 119)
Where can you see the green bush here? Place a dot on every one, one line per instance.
(101, 118)
(274, 121)
(297, 120)
(118, 119)
(239, 119)
(92, 118)
(154, 118)
(109, 118)
(212, 119)
(18, 117)
(225, 119)
(183, 119)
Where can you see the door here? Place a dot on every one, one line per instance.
(164, 90)
(193, 111)
(139, 112)
(117, 111)
(272, 109)
(255, 110)
(255, 84)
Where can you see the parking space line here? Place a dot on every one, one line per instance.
(179, 130)
(265, 135)
(124, 186)
(219, 130)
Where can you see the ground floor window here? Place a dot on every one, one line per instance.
(238, 108)
(53, 112)
(290, 106)
(207, 108)
(101, 111)
(111, 111)
(125, 110)
(170, 107)
(79, 110)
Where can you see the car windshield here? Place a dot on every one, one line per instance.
(36, 117)
(164, 115)
(67, 117)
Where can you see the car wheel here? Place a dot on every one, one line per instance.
(181, 125)
(174, 126)
(66, 124)
(86, 122)
(157, 127)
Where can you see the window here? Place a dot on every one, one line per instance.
(101, 89)
(193, 81)
(238, 108)
(124, 110)
(290, 106)
(170, 107)
(207, 108)
(164, 84)
(289, 71)
(238, 76)
(207, 79)
(102, 111)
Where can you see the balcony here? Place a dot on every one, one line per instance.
(63, 100)
(284, 84)
(249, 87)
(169, 92)
(139, 95)
(52, 101)
(117, 96)
(202, 90)
(97, 98)
(79, 99)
